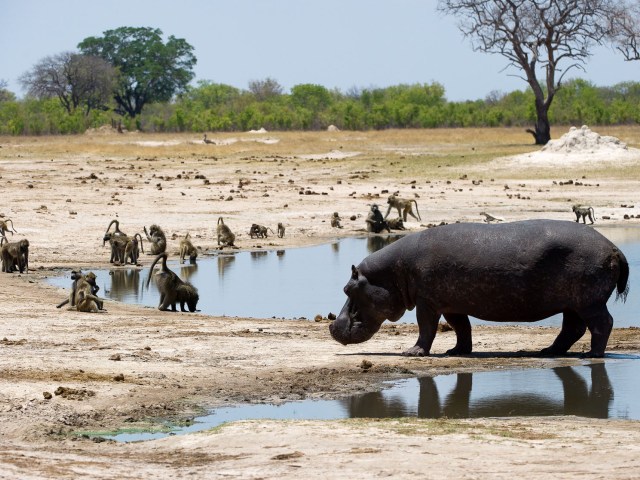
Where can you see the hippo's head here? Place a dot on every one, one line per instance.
(367, 307)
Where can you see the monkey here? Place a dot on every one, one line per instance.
(225, 235)
(259, 231)
(15, 255)
(404, 207)
(280, 230)
(4, 228)
(89, 278)
(157, 238)
(173, 289)
(584, 212)
(117, 232)
(396, 224)
(490, 218)
(132, 249)
(187, 248)
(375, 222)
(118, 245)
(335, 220)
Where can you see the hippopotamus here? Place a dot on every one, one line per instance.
(521, 271)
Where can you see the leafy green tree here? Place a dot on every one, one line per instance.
(5, 94)
(150, 70)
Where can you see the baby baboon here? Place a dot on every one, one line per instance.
(85, 298)
(375, 222)
(490, 218)
(280, 230)
(259, 231)
(335, 220)
(15, 255)
(404, 207)
(225, 236)
(157, 238)
(584, 212)
(173, 289)
(132, 249)
(396, 224)
(4, 228)
(187, 249)
(117, 232)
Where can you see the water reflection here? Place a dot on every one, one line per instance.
(187, 271)
(124, 284)
(224, 262)
(573, 397)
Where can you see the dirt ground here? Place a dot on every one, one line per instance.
(128, 366)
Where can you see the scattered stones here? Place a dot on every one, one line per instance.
(115, 357)
(366, 365)
(47, 395)
(119, 377)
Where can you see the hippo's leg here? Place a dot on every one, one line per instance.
(461, 325)
(573, 328)
(600, 322)
(427, 328)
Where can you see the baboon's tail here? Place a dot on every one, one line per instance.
(623, 278)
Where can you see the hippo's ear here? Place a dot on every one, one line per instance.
(354, 272)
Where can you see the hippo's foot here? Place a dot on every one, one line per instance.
(592, 354)
(551, 352)
(458, 351)
(415, 351)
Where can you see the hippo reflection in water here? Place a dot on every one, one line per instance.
(521, 271)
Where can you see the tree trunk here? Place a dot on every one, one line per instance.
(542, 133)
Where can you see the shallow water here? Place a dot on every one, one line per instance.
(598, 389)
(304, 282)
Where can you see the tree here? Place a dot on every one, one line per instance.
(5, 94)
(150, 70)
(76, 80)
(265, 89)
(544, 39)
(625, 34)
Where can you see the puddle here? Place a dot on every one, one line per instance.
(602, 389)
(304, 282)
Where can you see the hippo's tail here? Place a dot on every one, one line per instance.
(623, 278)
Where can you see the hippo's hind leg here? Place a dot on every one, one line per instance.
(600, 322)
(573, 328)
(461, 325)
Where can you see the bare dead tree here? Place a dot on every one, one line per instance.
(265, 89)
(76, 80)
(542, 39)
(625, 34)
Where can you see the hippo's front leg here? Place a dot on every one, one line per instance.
(427, 328)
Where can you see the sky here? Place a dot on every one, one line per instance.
(335, 43)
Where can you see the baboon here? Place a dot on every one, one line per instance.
(335, 220)
(375, 222)
(173, 289)
(259, 231)
(117, 232)
(396, 224)
(4, 228)
(85, 297)
(157, 238)
(132, 249)
(280, 230)
(404, 207)
(118, 245)
(584, 212)
(225, 236)
(187, 249)
(15, 255)
(490, 218)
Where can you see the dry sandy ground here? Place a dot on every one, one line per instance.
(62, 192)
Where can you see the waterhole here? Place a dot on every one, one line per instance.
(305, 282)
(597, 389)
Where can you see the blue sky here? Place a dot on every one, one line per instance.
(335, 43)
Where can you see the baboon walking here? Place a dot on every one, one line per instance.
(584, 212)
(5, 228)
(404, 207)
(172, 288)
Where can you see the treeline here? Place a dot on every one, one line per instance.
(213, 107)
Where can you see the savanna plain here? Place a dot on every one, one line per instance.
(127, 367)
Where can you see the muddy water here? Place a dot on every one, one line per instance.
(595, 389)
(304, 282)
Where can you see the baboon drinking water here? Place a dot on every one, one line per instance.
(375, 222)
(404, 207)
(280, 230)
(225, 235)
(259, 231)
(584, 212)
(157, 238)
(5, 228)
(335, 220)
(187, 249)
(172, 288)
(15, 255)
